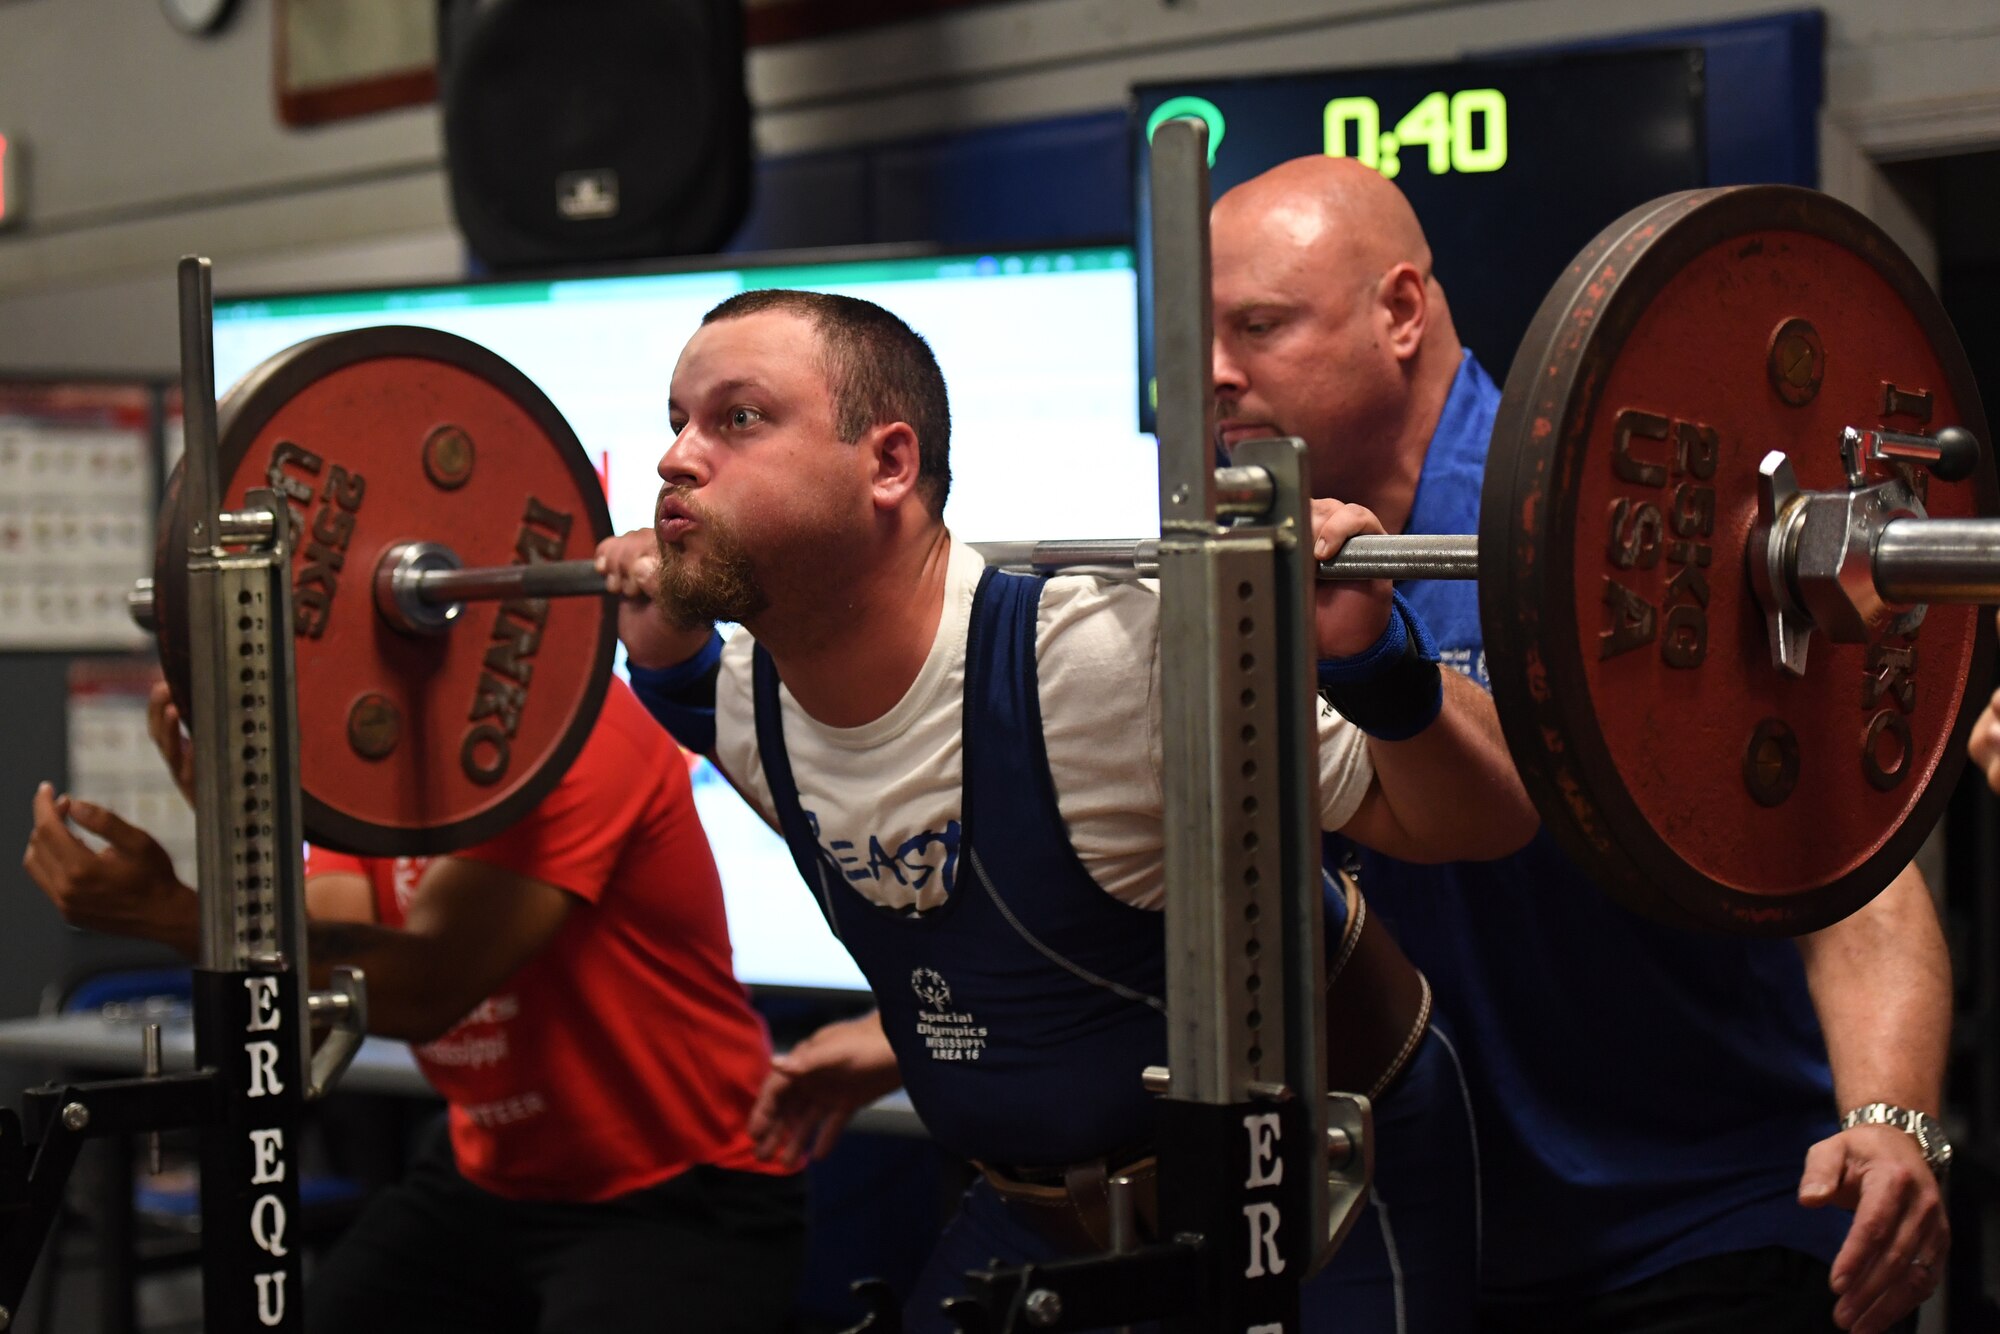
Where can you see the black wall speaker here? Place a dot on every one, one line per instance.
(594, 130)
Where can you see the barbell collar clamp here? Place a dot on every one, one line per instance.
(1854, 563)
(399, 588)
(1952, 455)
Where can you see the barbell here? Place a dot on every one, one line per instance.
(1739, 420)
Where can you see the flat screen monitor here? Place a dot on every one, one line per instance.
(1039, 351)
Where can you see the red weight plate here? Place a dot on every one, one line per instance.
(415, 745)
(1629, 655)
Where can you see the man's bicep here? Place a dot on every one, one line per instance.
(1375, 825)
(1351, 801)
(488, 919)
(340, 896)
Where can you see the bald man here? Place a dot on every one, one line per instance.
(1660, 1131)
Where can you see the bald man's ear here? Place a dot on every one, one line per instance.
(893, 462)
(1405, 298)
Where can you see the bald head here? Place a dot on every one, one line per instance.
(1335, 217)
(1329, 323)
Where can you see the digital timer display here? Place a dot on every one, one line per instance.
(1464, 132)
(1512, 165)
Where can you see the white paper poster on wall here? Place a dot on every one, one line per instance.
(76, 514)
(111, 758)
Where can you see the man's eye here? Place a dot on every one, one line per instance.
(677, 424)
(740, 417)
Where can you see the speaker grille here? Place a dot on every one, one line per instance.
(596, 129)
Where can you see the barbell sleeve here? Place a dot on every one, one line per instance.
(1939, 560)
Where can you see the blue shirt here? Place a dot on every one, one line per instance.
(1644, 1095)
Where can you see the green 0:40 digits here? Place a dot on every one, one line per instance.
(1466, 131)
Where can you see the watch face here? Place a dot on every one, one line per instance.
(1930, 1138)
(196, 16)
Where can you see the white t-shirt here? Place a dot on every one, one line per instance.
(884, 797)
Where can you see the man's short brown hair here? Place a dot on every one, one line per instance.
(879, 368)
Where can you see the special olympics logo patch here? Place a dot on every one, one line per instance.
(931, 988)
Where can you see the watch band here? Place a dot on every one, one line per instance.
(1919, 1126)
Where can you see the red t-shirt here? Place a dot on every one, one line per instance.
(624, 1052)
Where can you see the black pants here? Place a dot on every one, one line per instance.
(1768, 1291)
(707, 1251)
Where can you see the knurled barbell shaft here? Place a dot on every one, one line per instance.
(1368, 556)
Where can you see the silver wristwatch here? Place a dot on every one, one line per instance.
(1919, 1126)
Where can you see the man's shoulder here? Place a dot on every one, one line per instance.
(1094, 629)
(735, 703)
(1083, 599)
(739, 656)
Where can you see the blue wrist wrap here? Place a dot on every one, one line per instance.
(682, 697)
(1393, 689)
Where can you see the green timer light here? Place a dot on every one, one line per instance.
(1193, 108)
(1464, 132)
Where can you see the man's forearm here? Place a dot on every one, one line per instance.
(681, 694)
(1453, 787)
(177, 924)
(1881, 982)
(406, 998)
(411, 995)
(168, 913)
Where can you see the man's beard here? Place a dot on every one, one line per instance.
(721, 586)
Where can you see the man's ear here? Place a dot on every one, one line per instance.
(1406, 301)
(893, 463)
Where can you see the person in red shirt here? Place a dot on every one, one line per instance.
(568, 988)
